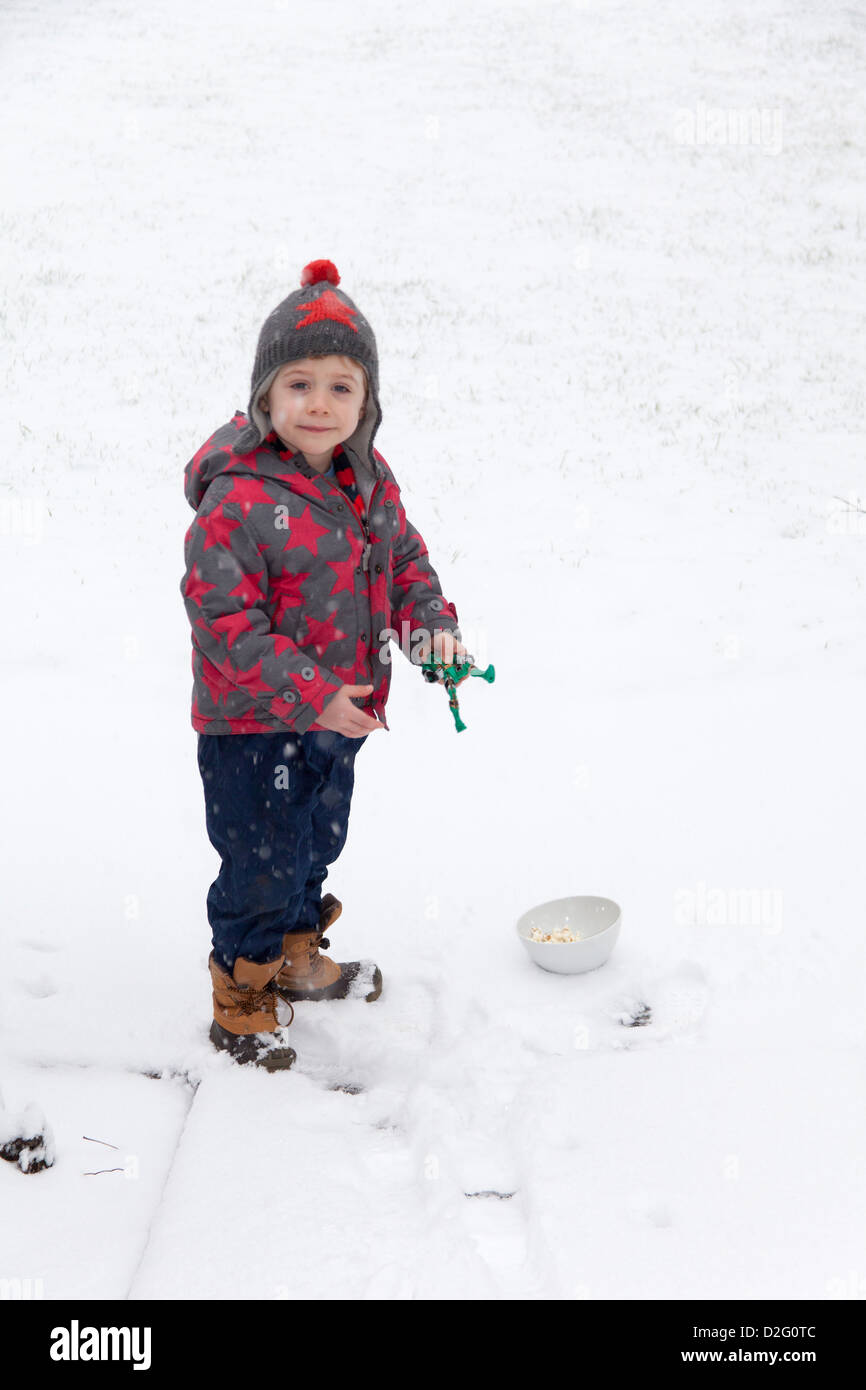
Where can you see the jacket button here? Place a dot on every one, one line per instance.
(290, 696)
(378, 569)
(389, 502)
(307, 673)
(363, 636)
(357, 569)
(340, 507)
(435, 604)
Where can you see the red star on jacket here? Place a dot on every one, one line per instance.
(196, 587)
(413, 575)
(230, 626)
(248, 493)
(282, 644)
(253, 679)
(327, 306)
(287, 596)
(304, 487)
(305, 531)
(347, 674)
(288, 588)
(249, 589)
(248, 725)
(217, 528)
(322, 633)
(217, 687)
(345, 577)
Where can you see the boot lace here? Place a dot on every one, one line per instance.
(312, 948)
(307, 959)
(253, 1001)
(260, 998)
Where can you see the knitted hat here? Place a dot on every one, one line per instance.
(314, 321)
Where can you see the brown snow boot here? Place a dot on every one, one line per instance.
(245, 1014)
(307, 974)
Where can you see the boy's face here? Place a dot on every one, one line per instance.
(315, 403)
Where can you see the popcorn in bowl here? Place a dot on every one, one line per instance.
(587, 923)
(560, 934)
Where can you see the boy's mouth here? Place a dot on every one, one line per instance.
(318, 429)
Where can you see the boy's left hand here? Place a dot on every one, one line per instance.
(445, 647)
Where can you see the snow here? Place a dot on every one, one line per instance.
(622, 383)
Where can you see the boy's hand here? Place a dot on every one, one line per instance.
(445, 647)
(341, 716)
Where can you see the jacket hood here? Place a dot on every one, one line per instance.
(224, 452)
(215, 456)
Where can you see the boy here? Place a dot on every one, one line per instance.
(299, 564)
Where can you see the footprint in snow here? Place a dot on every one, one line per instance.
(651, 1209)
(42, 987)
(671, 1003)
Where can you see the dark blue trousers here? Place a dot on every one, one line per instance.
(277, 812)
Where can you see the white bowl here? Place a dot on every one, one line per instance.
(595, 920)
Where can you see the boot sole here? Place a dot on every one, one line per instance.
(340, 989)
(245, 1052)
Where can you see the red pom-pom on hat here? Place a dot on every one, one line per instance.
(320, 270)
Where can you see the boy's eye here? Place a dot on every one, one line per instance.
(340, 386)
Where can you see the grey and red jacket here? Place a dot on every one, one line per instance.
(290, 592)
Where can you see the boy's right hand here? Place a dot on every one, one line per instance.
(343, 717)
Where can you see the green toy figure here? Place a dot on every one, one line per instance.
(450, 676)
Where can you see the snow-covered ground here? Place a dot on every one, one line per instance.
(621, 343)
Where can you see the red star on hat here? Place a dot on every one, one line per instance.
(327, 306)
